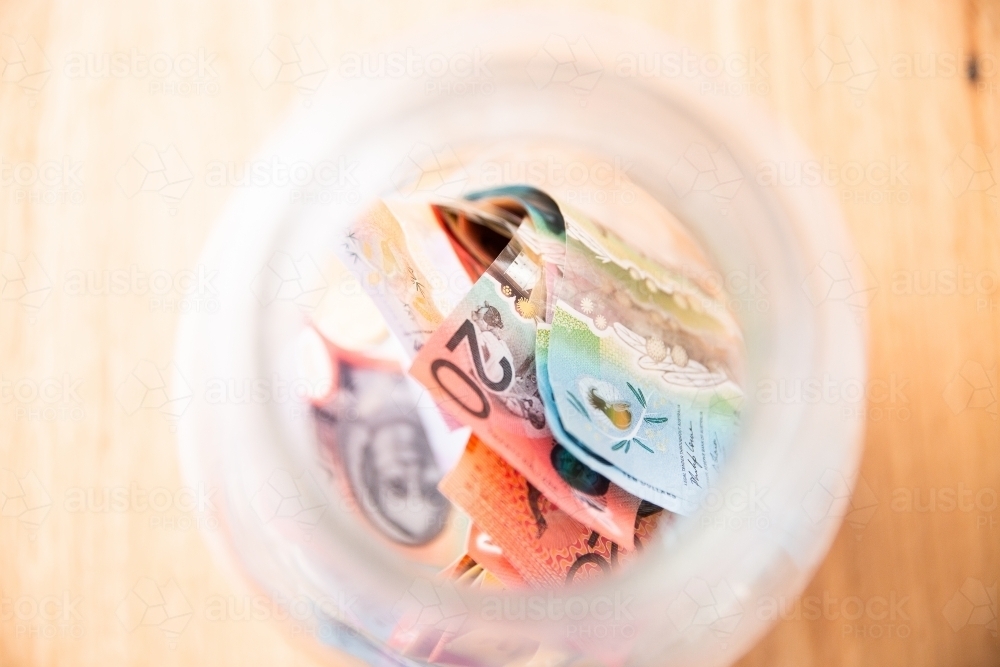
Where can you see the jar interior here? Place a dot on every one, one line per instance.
(297, 533)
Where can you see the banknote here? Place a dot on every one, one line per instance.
(665, 442)
(476, 569)
(379, 456)
(347, 315)
(482, 223)
(447, 638)
(574, 468)
(480, 367)
(404, 260)
(463, 564)
(478, 234)
(543, 232)
(484, 550)
(492, 582)
(546, 545)
(541, 209)
(613, 283)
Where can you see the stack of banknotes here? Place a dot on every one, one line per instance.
(566, 389)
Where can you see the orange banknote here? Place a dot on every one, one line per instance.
(484, 550)
(548, 547)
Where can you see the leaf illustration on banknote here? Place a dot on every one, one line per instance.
(480, 367)
(546, 545)
(662, 441)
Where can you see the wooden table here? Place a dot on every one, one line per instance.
(898, 99)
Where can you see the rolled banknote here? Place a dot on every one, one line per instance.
(480, 367)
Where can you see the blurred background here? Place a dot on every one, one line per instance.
(118, 124)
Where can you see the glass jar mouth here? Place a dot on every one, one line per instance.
(759, 533)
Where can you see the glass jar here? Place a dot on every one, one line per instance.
(414, 118)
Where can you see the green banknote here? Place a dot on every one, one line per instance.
(609, 281)
(617, 414)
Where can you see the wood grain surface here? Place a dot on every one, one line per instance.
(910, 137)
